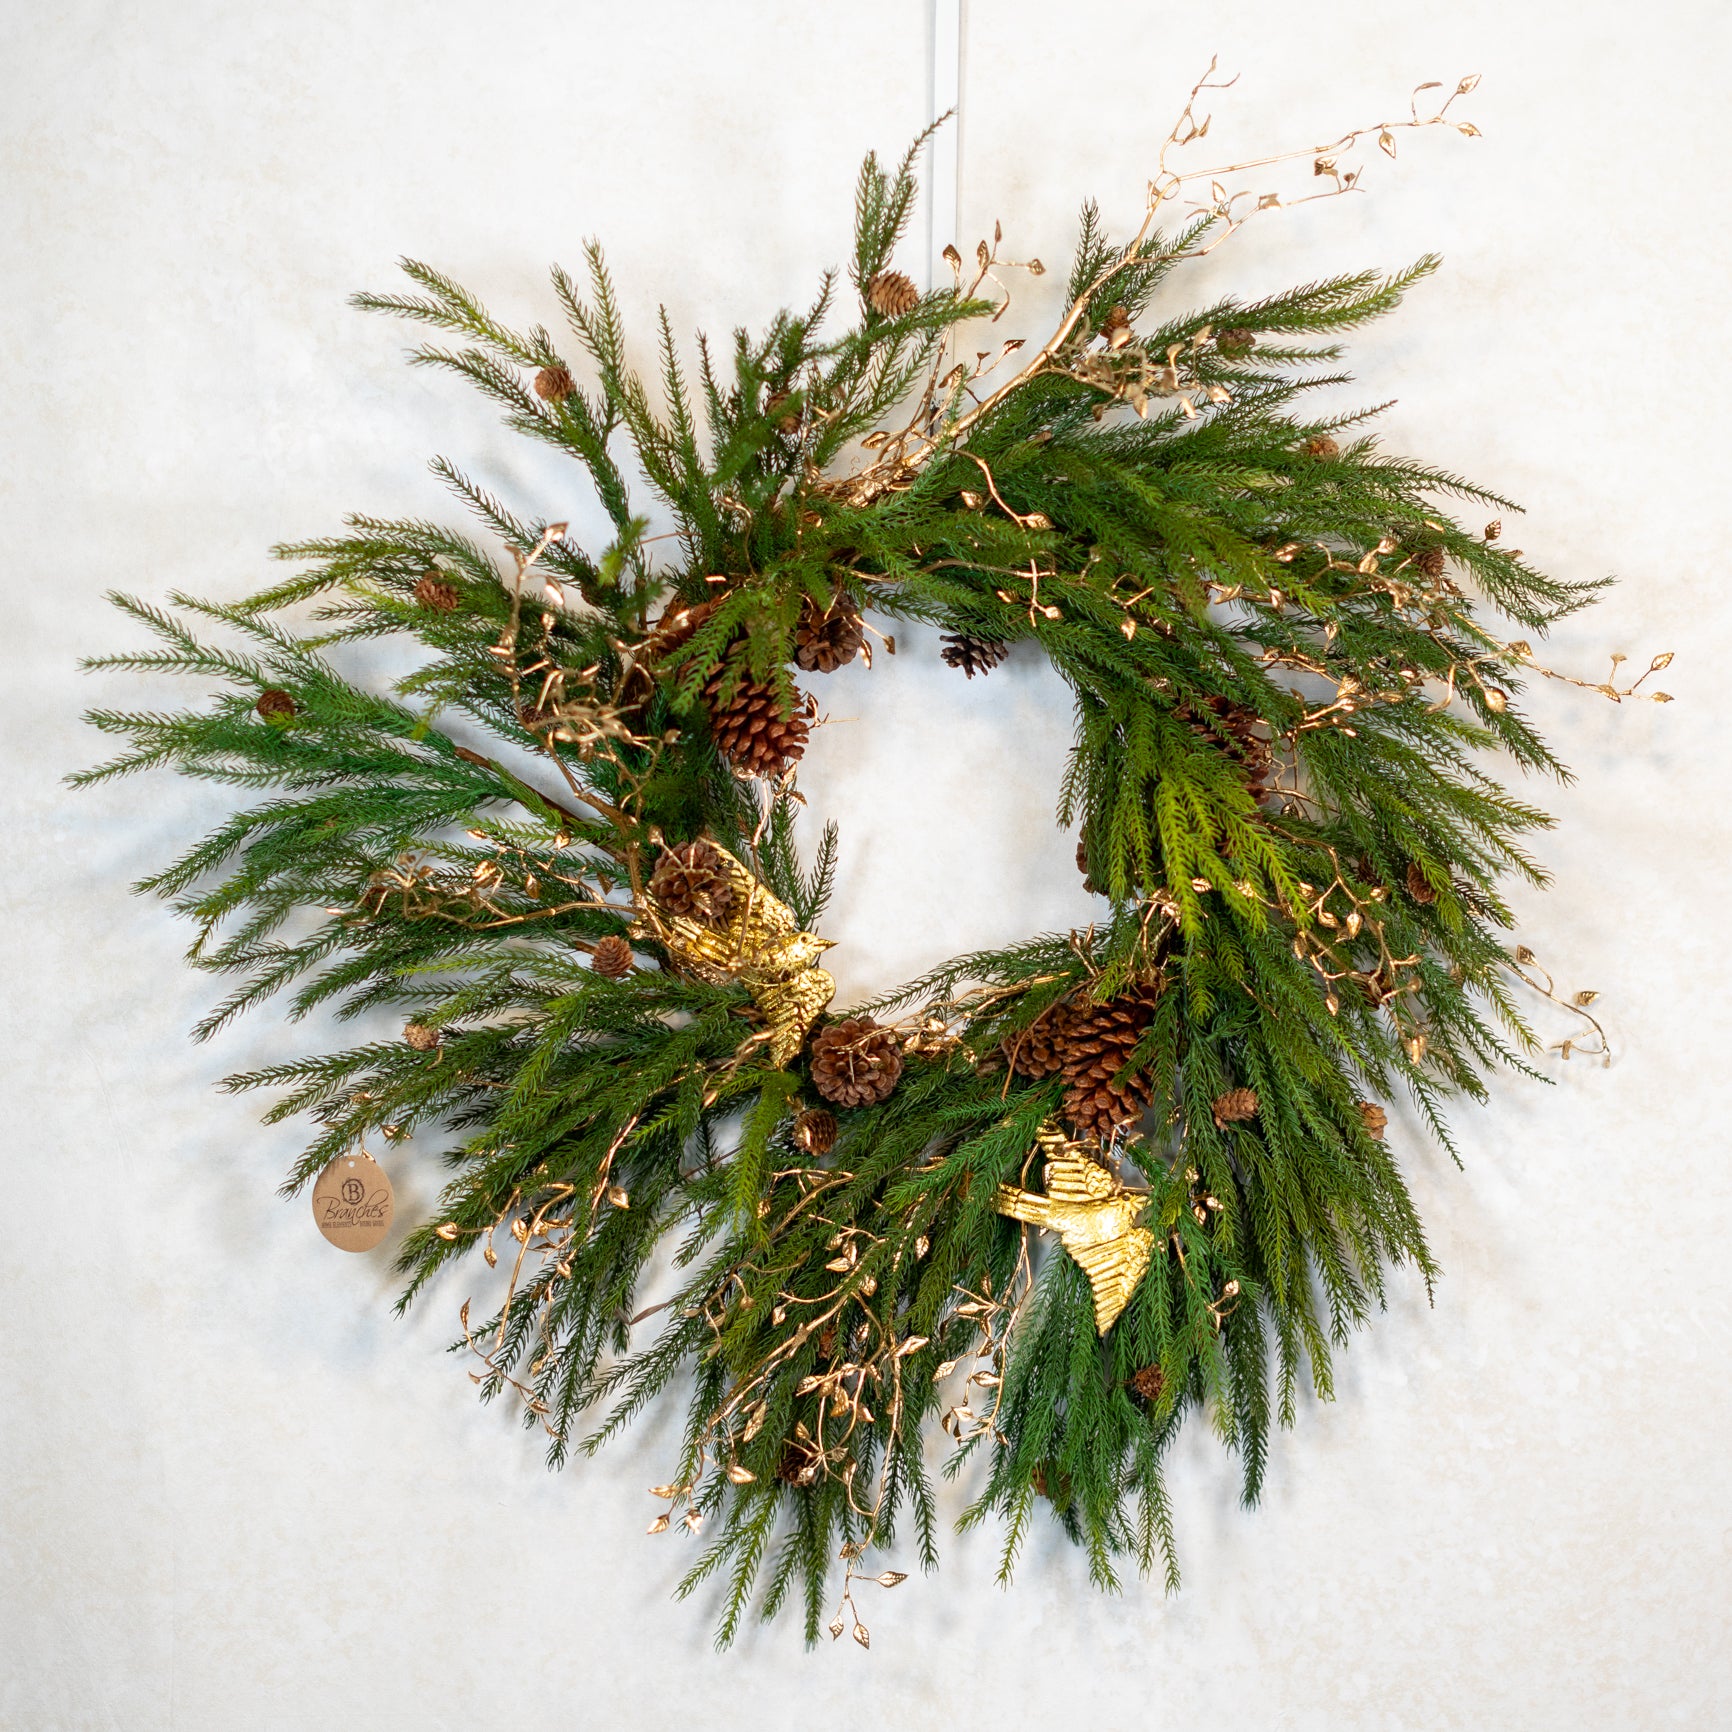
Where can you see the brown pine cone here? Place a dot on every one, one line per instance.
(554, 384)
(1417, 887)
(1233, 727)
(891, 294)
(855, 1063)
(613, 959)
(1147, 1382)
(751, 729)
(677, 625)
(1322, 446)
(692, 882)
(435, 594)
(1038, 1051)
(974, 655)
(1116, 328)
(1082, 865)
(1235, 340)
(1098, 1045)
(776, 407)
(829, 640)
(799, 1463)
(1235, 1107)
(816, 1130)
(1374, 1118)
(275, 706)
(420, 1036)
(1431, 560)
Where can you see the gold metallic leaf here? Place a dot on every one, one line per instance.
(1585, 997)
(862, 1636)
(658, 1526)
(890, 1578)
(741, 1475)
(838, 1627)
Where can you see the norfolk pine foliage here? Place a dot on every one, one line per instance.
(452, 849)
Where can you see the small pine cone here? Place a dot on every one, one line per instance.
(798, 1465)
(275, 706)
(1374, 1118)
(1116, 328)
(613, 959)
(1038, 1051)
(892, 294)
(1431, 561)
(776, 407)
(436, 595)
(751, 729)
(1098, 1046)
(1417, 887)
(554, 384)
(692, 882)
(1322, 446)
(1235, 340)
(420, 1036)
(1082, 865)
(830, 640)
(816, 1130)
(974, 655)
(1235, 1107)
(855, 1063)
(1147, 1383)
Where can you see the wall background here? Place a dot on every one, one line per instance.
(233, 1491)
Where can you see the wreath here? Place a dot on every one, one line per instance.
(1050, 1198)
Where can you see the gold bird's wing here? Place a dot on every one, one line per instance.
(1075, 1179)
(1023, 1206)
(791, 1007)
(760, 922)
(1114, 1268)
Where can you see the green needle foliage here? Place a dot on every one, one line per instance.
(1233, 588)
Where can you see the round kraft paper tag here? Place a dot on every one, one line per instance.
(352, 1203)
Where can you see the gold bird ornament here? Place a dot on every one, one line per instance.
(1094, 1217)
(759, 944)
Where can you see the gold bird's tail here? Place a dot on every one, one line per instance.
(1023, 1206)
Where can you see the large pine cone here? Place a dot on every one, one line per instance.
(1098, 1045)
(751, 729)
(855, 1063)
(1038, 1051)
(974, 655)
(827, 641)
(1233, 727)
(692, 882)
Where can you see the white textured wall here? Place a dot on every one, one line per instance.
(233, 1491)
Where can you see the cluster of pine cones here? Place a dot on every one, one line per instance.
(1090, 1044)
(752, 728)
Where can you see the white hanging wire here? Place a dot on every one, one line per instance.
(944, 153)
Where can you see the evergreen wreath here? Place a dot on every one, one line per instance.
(563, 847)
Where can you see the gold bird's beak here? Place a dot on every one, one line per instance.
(828, 943)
